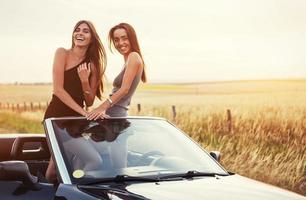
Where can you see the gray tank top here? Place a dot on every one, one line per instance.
(125, 101)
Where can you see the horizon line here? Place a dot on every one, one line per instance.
(174, 82)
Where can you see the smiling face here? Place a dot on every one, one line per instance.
(121, 41)
(82, 35)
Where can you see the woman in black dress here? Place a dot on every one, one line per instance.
(77, 77)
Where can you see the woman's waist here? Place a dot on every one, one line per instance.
(78, 99)
(124, 102)
(117, 111)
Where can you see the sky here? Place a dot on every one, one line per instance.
(181, 40)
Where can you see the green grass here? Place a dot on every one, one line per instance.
(12, 122)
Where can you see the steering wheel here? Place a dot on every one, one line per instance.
(143, 160)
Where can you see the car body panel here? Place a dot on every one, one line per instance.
(15, 190)
(220, 188)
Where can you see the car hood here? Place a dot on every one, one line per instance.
(208, 188)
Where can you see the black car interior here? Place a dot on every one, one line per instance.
(32, 149)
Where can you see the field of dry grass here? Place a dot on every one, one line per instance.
(268, 137)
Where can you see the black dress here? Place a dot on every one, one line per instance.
(73, 86)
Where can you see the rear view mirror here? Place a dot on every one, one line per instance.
(216, 155)
(16, 171)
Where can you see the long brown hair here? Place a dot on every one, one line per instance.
(133, 41)
(95, 53)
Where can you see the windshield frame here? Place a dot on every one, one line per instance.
(56, 151)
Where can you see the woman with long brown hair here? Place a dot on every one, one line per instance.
(77, 77)
(123, 38)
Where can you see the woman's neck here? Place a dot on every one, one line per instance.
(125, 57)
(79, 52)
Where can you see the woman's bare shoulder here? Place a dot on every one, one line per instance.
(61, 51)
(135, 57)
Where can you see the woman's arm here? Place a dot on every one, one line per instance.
(89, 83)
(134, 62)
(58, 82)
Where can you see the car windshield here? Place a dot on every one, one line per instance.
(138, 147)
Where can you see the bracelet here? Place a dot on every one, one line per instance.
(86, 92)
(110, 101)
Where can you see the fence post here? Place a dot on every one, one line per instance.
(173, 112)
(24, 106)
(0, 105)
(31, 106)
(229, 120)
(39, 106)
(138, 108)
(8, 105)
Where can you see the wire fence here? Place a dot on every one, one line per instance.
(42, 106)
(25, 106)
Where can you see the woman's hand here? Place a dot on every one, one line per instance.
(84, 71)
(97, 113)
(84, 113)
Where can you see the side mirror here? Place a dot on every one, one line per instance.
(216, 155)
(16, 171)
